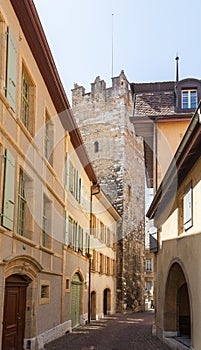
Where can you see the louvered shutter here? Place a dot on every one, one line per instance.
(91, 244)
(9, 195)
(11, 76)
(84, 242)
(67, 170)
(66, 238)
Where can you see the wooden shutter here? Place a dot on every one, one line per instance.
(11, 76)
(9, 195)
(188, 207)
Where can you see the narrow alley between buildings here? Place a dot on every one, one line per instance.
(118, 332)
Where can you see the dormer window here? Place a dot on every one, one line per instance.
(189, 98)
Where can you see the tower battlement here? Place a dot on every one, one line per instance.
(120, 87)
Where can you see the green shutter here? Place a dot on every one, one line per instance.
(91, 244)
(67, 170)
(9, 195)
(76, 237)
(66, 238)
(11, 76)
(84, 242)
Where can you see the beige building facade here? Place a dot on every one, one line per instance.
(46, 182)
(175, 210)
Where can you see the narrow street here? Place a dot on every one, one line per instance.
(118, 332)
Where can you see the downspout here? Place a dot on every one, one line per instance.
(95, 189)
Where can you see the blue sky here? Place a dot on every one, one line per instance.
(147, 36)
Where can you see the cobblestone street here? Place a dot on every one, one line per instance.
(118, 332)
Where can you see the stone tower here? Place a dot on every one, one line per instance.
(117, 157)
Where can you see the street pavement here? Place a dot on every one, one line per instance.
(118, 332)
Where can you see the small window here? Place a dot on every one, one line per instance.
(148, 265)
(67, 283)
(96, 147)
(102, 232)
(188, 207)
(44, 292)
(189, 99)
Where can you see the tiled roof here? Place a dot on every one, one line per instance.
(154, 103)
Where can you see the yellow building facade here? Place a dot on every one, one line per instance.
(46, 180)
(175, 210)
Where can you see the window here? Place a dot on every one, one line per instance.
(27, 101)
(148, 265)
(148, 286)
(25, 205)
(46, 229)
(187, 207)
(67, 284)
(189, 98)
(96, 147)
(48, 142)
(44, 292)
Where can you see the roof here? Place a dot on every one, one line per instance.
(32, 28)
(184, 159)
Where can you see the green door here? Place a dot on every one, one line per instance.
(75, 300)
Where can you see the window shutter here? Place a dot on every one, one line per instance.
(188, 207)
(9, 195)
(67, 170)
(66, 238)
(76, 236)
(91, 244)
(84, 242)
(11, 76)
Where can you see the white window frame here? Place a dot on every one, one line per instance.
(189, 92)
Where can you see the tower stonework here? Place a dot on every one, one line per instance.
(117, 157)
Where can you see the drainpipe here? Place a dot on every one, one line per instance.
(95, 189)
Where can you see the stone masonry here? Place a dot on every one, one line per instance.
(117, 157)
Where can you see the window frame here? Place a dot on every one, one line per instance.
(189, 104)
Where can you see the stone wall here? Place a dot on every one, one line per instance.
(117, 157)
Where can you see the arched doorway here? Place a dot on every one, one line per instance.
(14, 312)
(93, 305)
(106, 301)
(177, 313)
(76, 286)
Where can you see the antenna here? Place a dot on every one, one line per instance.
(177, 68)
(112, 44)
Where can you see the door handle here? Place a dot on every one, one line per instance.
(18, 316)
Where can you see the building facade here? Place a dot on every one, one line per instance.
(117, 157)
(46, 182)
(162, 112)
(176, 215)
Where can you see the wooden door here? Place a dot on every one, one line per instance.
(14, 313)
(75, 300)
